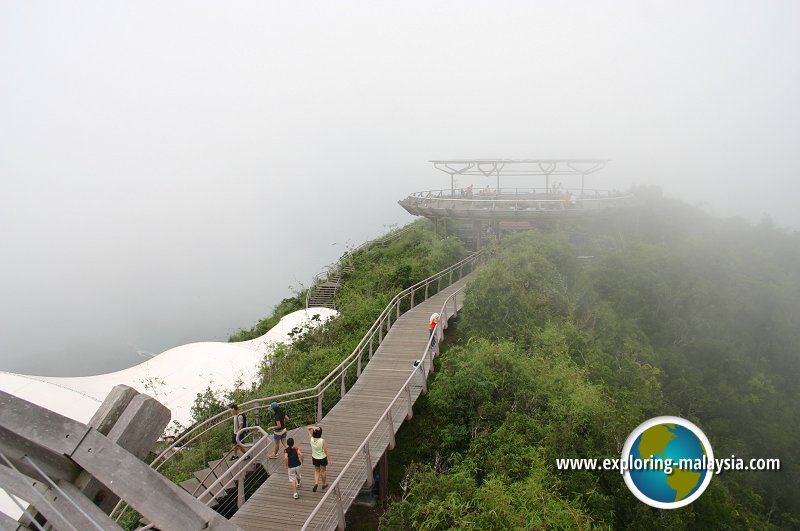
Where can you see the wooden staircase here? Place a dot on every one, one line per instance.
(204, 478)
(323, 294)
(224, 499)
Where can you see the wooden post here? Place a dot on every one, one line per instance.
(391, 429)
(410, 412)
(368, 458)
(426, 291)
(240, 492)
(398, 310)
(380, 332)
(319, 405)
(412, 299)
(383, 472)
(343, 376)
(370, 345)
(476, 234)
(358, 365)
(339, 509)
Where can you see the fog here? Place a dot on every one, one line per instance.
(169, 170)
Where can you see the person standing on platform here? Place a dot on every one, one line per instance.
(294, 459)
(239, 422)
(432, 326)
(320, 456)
(279, 435)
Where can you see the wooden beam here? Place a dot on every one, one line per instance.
(136, 428)
(156, 498)
(112, 408)
(9, 524)
(14, 446)
(76, 512)
(41, 426)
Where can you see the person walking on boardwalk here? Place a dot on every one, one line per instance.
(320, 456)
(432, 326)
(294, 459)
(239, 422)
(279, 435)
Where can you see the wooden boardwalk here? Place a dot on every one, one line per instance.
(347, 425)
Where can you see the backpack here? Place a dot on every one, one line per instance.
(245, 423)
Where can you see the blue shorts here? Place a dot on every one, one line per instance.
(278, 436)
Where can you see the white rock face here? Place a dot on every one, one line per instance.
(174, 377)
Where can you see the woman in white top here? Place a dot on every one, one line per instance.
(319, 456)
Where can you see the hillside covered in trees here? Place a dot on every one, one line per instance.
(570, 338)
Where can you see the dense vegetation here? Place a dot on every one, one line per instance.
(675, 313)
(379, 273)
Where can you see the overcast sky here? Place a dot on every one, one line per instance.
(169, 169)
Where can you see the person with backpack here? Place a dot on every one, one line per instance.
(239, 422)
(320, 456)
(279, 435)
(294, 460)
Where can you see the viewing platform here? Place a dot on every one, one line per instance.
(534, 191)
(543, 194)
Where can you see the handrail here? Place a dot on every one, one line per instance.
(239, 434)
(462, 194)
(234, 472)
(317, 392)
(383, 320)
(251, 453)
(386, 415)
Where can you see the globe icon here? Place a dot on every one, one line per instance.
(667, 461)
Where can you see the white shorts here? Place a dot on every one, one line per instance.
(294, 475)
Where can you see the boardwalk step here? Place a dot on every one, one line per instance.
(220, 468)
(207, 479)
(191, 486)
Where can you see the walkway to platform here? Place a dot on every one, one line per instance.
(346, 427)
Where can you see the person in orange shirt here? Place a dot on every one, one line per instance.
(432, 326)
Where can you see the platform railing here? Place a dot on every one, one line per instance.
(353, 363)
(517, 198)
(358, 470)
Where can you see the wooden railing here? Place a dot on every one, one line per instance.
(352, 364)
(358, 471)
